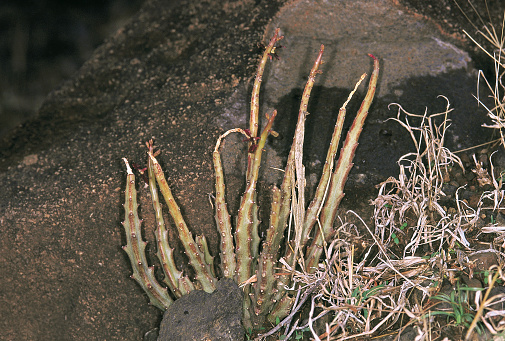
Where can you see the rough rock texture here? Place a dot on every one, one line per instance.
(204, 316)
(179, 71)
(165, 74)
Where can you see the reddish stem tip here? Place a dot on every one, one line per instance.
(371, 55)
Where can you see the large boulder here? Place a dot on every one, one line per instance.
(166, 74)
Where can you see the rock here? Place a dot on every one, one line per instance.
(483, 260)
(498, 292)
(203, 316)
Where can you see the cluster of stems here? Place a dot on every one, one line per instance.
(268, 288)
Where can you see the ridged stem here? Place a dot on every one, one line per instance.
(281, 309)
(253, 118)
(201, 241)
(315, 206)
(135, 247)
(265, 276)
(244, 231)
(339, 176)
(255, 237)
(196, 257)
(294, 165)
(284, 214)
(222, 216)
(165, 252)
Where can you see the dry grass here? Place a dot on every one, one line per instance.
(416, 244)
(496, 38)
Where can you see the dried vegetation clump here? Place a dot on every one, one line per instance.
(432, 266)
(416, 249)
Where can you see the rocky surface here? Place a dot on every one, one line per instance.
(165, 74)
(181, 72)
(203, 316)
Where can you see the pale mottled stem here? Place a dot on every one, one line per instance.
(165, 252)
(223, 219)
(287, 182)
(315, 205)
(289, 175)
(281, 308)
(196, 258)
(253, 118)
(267, 260)
(185, 285)
(255, 238)
(246, 309)
(244, 230)
(135, 247)
(263, 290)
(246, 234)
(201, 241)
(284, 214)
(310, 83)
(339, 176)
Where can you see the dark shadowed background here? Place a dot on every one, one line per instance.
(43, 43)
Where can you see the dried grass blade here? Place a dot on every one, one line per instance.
(298, 189)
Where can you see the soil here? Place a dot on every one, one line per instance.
(181, 73)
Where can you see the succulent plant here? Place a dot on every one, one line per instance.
(268, 291)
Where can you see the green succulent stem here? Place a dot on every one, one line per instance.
(244, 230)
(222, 216)
(293, 179)
(284, 213)
(164, 252)
(281, 308)
(201, 241)
(314, 209)
(255, 102)
(196, 257)
(135, 247)
(265, 276)
(267, 285)
(339, 176)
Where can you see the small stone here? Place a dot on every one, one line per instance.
(483, 260)
(30, 160)
(203, 316)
